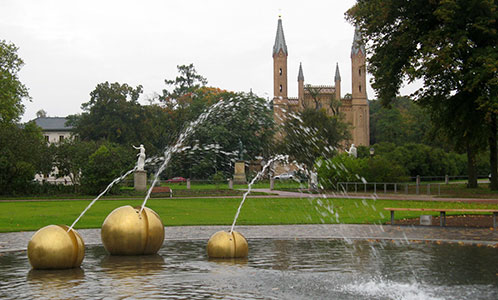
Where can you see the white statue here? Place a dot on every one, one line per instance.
(352, 151)
(141, 157)
(314, 180)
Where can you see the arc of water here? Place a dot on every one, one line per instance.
(169, 152)
(249, 187)
(100, 195)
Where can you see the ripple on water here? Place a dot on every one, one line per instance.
(275, 269)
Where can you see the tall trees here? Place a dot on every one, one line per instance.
(114, 114)
(23, 153)
(404, 122)
(71, 156)
(108, 162)
(452, 47)
(187, 97)
(312, 134)
(12, 91)
(213, 145)
(186, 82)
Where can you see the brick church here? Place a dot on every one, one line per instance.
(354, 107)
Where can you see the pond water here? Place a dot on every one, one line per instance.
(275, 269)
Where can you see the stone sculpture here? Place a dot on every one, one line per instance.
(141, 157)
(352, 151)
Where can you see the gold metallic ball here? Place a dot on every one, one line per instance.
(222, 244)
(53, 247)
(126, 232)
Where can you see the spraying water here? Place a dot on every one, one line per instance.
(100, 195)
(167, 157)
(249, 187)
(169, 152)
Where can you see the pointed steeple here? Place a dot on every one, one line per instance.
(300, 76)
(337, 74)
(357, 42)
(280, 39)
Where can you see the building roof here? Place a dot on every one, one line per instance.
(337, 74)
(280, 40)
(53, 123)
(300, 76)
(357, 42)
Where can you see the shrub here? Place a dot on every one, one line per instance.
(108, 162)
(344, 168)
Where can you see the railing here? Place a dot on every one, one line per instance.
(445, 178)
(396, 187)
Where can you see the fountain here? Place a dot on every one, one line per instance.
(56, 247)
(129, 231)
(302, 261)
(224, 244)
(125, 231)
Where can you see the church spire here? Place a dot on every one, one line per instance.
(357, 42)
(337, 74)
(300, 76)
(280, 39)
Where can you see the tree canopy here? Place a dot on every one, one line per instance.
(213, 145)
(23, 153)
(451, 46)
(12, 91)
(112, 113)
(405, 122)
(311, 134)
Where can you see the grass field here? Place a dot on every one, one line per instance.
(23, 215)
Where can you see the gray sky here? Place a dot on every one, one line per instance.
(71, 46)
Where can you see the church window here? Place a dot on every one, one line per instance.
(360, 87)
(280, 88)
(280, 72)
(359, 71)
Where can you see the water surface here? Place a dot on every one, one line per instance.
(275, 269)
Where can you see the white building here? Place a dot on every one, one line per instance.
(54, 128)
(55, 131)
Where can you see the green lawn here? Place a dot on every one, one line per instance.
(19, 216)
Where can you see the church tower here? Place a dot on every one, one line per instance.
(300, 85)
(280, 53)
(337, 80)
(361, 124)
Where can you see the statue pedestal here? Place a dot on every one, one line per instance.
(140, 181)
(240, 173)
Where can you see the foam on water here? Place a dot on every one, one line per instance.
(387, 289)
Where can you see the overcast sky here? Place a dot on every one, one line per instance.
(70, 46)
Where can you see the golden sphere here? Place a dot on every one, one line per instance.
(222, 244)
(126, 232)
(53, 247)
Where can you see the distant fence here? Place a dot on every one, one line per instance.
(395, 187)
(445, 178)
(187, 183)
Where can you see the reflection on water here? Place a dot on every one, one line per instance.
(275, 269)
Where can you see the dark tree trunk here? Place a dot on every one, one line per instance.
(471, 166)
(493, 154)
